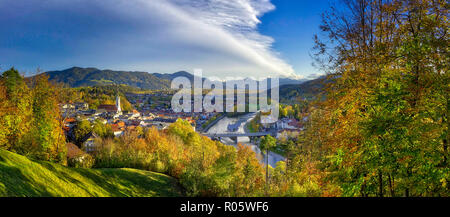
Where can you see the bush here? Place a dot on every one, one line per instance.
(203, 167)
(81, 161)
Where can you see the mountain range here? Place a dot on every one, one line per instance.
(79, 77)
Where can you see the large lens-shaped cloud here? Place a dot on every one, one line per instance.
(219, 36)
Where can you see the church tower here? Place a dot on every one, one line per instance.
(119, 110)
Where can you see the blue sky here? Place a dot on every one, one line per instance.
(292, 25)
(225, 38)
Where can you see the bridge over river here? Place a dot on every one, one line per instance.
(234, 136)
(219, 131)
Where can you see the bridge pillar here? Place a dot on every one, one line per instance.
(235, 139)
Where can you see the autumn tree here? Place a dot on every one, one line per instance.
(29, 117)
(46, 127)
(267, 143)
(16, 112)
(387, 102)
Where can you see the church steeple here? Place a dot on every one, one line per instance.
(119, 110)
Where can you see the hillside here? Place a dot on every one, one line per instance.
(20, 176)
(79, 77)
(170, 77)
(306, 91)
(82, 77)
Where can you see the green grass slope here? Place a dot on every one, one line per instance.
(20, 176)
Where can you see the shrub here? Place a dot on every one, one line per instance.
(81, 161)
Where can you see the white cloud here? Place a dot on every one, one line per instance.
(219, 36)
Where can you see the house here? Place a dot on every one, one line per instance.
(66, 109)
(108, 108)
(117, 130)
(73, 151)
(281, 124)
(70, 122)
(120, 124)
(294, 124)
(67, 106)
(135, 114)
(287, 123)
(136, 122)
(114, 110)
(158, 125)
(81, 106)
(68, 125)
(89, 142)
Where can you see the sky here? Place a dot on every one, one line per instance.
(224, 38)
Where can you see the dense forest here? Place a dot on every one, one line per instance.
(82, 77)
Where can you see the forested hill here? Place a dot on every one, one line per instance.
(304, 91)
(82, 77)
(78, 77)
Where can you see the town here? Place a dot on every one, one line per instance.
(236, 98)
(153, 110)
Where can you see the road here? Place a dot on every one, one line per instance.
(221, 127)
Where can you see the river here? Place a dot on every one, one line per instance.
(222, 127)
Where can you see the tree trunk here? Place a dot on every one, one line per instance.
(408, 173)
(445, 146)
(267, 168)
(380, 184)
(363, 187)
(391, 185)
(445, 140)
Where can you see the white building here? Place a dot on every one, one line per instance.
(119, 110)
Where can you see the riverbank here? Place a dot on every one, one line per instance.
(222, 127)
(212, 123)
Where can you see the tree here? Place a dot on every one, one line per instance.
(16, 112)
(249, 173)
(102, 130)
(267, 143)
(386, 106)
(29, 117)
(283, 111)
(46, 126)
(125, 105)
(82, 129)
(4, 110)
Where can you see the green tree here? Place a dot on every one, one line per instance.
(102, 130)
(267, 143)
(46, 126)
(81, 130)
